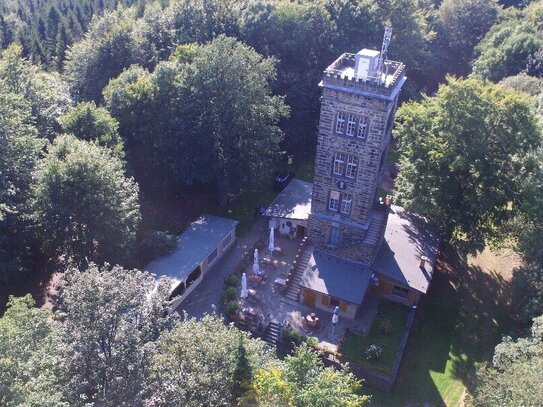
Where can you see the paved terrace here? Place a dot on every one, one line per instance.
(270, 297)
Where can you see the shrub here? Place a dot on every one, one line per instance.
(157, 244)
(312, 341)
(232, 280)
(373, 352)
(231, 293)
(232, 307)
(292, 335)
(386, 327)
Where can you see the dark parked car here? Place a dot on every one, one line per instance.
(281, 180)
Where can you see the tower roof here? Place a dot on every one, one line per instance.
(343, 75)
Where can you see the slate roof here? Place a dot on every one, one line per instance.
(193, 246)
(294, 202)
(336, 277)
(407, 238)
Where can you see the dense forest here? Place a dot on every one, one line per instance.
(107, 104)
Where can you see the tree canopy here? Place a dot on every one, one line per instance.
(212, 119)
(511, 46)
(464, 155)
(461, 26)
(31, 364)
(89, 122)
(301, 380)
(19, 153)
(46, 92)
(110, 316)
(514, 378)
(84, 207)
(196, 363)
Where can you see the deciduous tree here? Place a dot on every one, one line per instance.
(46, 93)
(19, 153)
(302, 381)
(232, 130)
(461, 26)
(197, 364)
(109, 318)
(514, 379)
(464, 155)
(84, 206)
(510, 45)
(88, 122)
(30, 364)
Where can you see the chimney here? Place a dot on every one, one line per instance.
(423, 261)
(366, 64)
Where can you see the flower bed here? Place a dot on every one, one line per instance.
(386, 333)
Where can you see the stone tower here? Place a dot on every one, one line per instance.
(360, 94)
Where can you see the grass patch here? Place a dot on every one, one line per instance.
(355, 345)
(456, 327)
(243, 208)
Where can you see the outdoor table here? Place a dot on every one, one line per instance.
(281, 282)
(312, 320)
(251, 292)
(251, 311)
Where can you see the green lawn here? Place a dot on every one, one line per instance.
(457, 325)
(355, 345)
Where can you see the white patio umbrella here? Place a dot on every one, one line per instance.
(244, 293)
(257, 259)
(256, 268)
(271, 245)
(335, 319)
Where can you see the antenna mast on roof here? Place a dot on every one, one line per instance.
(383, 58)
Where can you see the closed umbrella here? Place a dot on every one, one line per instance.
(244, 293)
(335, 319)
(256, 268)
(271, 245)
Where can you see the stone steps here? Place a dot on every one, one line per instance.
(375, 231)
(272, 333)
(295, 281)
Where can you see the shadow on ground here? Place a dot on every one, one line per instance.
(457, 325)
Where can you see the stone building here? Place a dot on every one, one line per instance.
(359, 101)
(358, 244)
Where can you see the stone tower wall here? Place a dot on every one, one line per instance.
(364, 188)
(368, 151)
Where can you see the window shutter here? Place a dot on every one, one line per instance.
(325, 300)
(343, 306)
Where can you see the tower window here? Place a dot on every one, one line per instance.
(333, 203)
(340, 122)
(352, 166)
(339, 164)
(351, 125)
(363, 126)
(346, 201)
